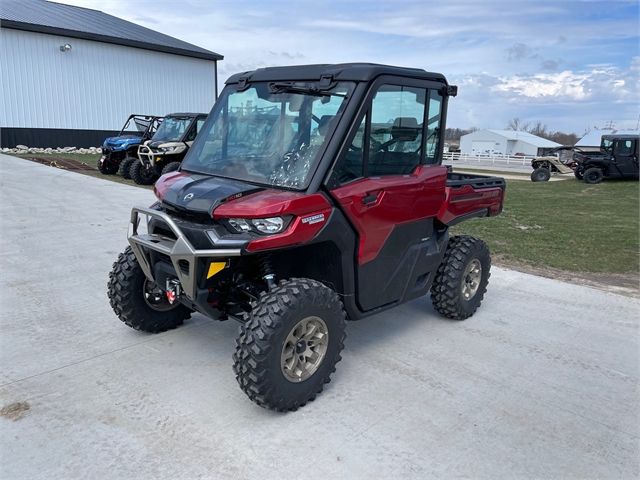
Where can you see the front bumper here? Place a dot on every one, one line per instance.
(183, 255)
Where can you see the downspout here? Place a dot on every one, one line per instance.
(215, 70)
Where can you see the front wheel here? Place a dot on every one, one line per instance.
(462, 277)
(290, 344)
(170, 167)
(106, 167)
(593, 175)
(579, 173)
(142, 175)
(139, 303)
(540, 174)
(125, 167)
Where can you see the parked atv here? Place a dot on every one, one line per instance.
(313, 195)
(558, 161)
(166, 149)
(120, 151)
(617, 158)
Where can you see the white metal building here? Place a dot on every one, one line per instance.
(71, 76)
(504, 142)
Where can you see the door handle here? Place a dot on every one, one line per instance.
(370, 198)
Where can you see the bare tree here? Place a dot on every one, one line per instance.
(514, 124)
(539, 129)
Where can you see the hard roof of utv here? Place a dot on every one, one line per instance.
(185, 114)
(623, 136)
(359, 72)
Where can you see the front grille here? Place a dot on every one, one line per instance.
(182, 214)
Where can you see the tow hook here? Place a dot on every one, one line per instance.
(173, 290)
(270, 279)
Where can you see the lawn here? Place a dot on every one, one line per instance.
(566, 225)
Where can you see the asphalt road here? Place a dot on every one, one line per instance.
(541, 383)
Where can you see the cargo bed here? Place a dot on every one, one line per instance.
(468, 195)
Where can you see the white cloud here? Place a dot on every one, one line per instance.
(564, 84)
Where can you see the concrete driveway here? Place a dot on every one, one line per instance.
(541, 382)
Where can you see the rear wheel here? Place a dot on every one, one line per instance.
(289, 346)
(138, 302)
(593, 175)
(462, 277)
(171, 167)
(540, 174)
(125, 167)
(142, 175)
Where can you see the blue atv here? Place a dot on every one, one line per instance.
(118, 153)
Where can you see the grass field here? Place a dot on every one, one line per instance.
(568, 225)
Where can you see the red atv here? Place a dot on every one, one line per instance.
(312, 195)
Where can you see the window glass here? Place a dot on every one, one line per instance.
(623, 147)
(397, 114)
(268, 133)
(350, 166)
(199, 124)
(607, 144)
(172, 128)
(433, 127)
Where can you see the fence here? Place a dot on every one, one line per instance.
(485, 159)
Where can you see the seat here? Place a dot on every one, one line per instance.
(404, 157)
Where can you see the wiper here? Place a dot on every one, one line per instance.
(291, 87)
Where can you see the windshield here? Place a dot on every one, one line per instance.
(172, 129)
(136, 126)
(270, 134)
(607, 144)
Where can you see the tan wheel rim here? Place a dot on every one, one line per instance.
(304, 349)
(471, 279)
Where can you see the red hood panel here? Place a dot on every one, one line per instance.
(272, 203)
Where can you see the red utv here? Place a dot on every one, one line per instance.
(312, 195)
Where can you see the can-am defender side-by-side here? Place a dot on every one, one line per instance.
(166, 149)
(120, 151)
(312, 195)
(617, 158)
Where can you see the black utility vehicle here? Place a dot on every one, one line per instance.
(313, 194)
(120, 151)
(617, 158)
(168, 146)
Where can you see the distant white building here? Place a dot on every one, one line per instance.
(593, 139)
(504, 142)
(70, 76)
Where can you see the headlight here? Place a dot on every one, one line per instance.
(268, 225)
(240, 224)
(173, 149)
(260, 225)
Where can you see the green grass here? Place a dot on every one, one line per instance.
(566, 225)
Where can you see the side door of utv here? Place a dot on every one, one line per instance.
(389, 183)
(625, 156)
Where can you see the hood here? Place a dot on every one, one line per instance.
(199, 193)
(163, 143)
(122, 141)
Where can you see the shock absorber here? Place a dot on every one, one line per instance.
(267, 271)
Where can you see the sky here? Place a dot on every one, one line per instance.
(573, 65)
